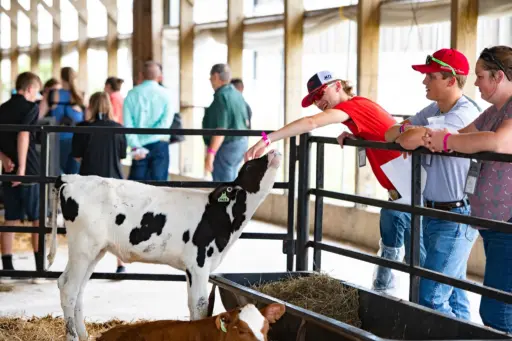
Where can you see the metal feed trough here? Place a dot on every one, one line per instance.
(383, 317)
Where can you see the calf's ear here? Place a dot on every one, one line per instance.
(273, 312)
(222, 322)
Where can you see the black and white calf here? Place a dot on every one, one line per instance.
(191, 230)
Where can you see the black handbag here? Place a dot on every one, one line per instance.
(176, 124)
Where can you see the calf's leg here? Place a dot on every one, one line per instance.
(197, 280)
(79, 312)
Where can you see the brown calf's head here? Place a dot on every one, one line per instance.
(248, 323)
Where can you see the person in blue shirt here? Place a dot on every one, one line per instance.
(148, 105)
(67, 106)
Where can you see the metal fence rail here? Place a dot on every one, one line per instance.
(45, 180)
(415, 208)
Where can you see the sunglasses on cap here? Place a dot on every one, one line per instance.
(431, 59)
(319, 94)
(488, 56)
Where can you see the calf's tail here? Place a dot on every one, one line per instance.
(59, 185)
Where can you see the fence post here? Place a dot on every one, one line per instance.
(291, 202)
(303, 203)
(319, 207)
(42, 200)
(414, 284)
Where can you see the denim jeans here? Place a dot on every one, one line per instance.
(448, 245)
(155, 166)
(68, 165)
(498, 275)
(395, 232)
(228, 159)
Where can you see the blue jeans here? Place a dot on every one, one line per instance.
(155, 166)
(228, 159)
(498, 275)
(448, 245)
(68, 165)
(395, 232)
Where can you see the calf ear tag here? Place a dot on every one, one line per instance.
(223, 326)
(223, 197)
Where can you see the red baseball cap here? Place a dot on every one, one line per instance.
(451, 57)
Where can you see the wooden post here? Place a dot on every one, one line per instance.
(34, 42)
(293, 36)
(81, 7)
(464, 24)
(14, 46)
(147, 33)
(235, 37)
(112, 41)
(191, 151)
(368, 22)
(56, 42)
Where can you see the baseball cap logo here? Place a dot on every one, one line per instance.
(328, 76)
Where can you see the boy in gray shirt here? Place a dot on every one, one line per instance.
(447, 244)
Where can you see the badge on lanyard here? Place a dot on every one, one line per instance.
(473, 174)
(361, 156)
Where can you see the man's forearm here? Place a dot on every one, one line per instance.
(23, 141)
(216, 142)
(412, 138)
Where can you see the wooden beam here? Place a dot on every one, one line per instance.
(54, 12)
(57, 41)
(147, 33)
(34, 42)
(368, 22)
(14, 49)
(293, 38)
(112, 41)
(81, 9)
(32, 14)
(235, 36)
(83, 79)
(191, 150)
(464, 24)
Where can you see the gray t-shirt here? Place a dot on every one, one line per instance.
(446, 176)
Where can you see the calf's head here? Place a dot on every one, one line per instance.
(256, 178)
(248, 323)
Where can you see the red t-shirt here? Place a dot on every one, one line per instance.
(370, 121)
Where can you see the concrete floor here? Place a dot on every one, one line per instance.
(132, 300)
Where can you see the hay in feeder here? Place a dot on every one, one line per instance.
(46, 328)
(319, 293)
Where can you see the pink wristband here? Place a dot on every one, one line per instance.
(211, 151)
(265, 138)
(402, 127)
(445, 142)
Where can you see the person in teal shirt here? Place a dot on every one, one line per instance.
(224, 154)
(148, 105)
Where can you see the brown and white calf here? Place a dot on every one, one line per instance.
(244, 324)
(191, 230)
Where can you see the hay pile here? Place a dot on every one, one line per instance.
(46, 328)
(319, 293)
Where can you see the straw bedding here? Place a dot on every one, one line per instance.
(319, 293)
(46, 328)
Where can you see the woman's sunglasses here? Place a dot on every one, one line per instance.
(488, 56)
(319, 94)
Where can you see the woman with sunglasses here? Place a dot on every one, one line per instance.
(365, 119)
(492, 195)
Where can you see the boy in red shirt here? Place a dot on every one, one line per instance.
(365, 119)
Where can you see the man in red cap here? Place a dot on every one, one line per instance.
(447, 244)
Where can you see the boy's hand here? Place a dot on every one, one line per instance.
(7, 163)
